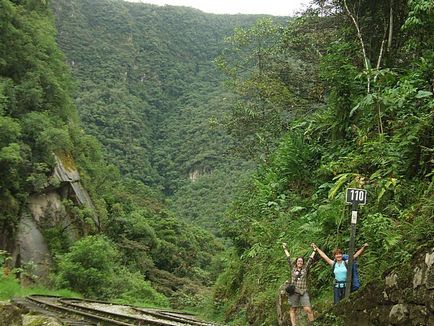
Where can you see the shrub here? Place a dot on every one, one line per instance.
(89, 267)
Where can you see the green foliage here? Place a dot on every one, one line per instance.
(58, 242)
(152, 241)
(252, 63)
(155, 101)
(148, 86)
(339, 71)
(89, 267)
(380, 140)
(329, 319)
(131, 288)
(293, 160)
(151, 94)
(36, 113)
(11, 288)
(419, 24)
(38, 118)
(205, 200)
(92, 267)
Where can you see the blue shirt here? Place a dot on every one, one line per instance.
(340, 274)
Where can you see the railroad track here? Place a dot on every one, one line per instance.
(80, 312)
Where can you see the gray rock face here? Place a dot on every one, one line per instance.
(65, 174)
(30, 250)
(418, 278)
(48, 205)
(32, 247)
(70, 175)
(429, 259)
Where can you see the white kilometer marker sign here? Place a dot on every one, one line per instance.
(356, 196)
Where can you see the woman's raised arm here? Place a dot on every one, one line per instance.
(322, 254)
(285, 249)
(360, 251)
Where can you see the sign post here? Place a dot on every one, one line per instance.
(355, 197)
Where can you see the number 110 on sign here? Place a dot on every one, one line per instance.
(356, 196)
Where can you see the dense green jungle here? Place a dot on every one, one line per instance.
(205, 141)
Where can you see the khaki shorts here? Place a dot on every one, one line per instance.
(299, 300)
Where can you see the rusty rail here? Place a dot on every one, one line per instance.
(81, 312)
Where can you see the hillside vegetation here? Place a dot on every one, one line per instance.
(136, 250)
(149, 91)
(250, 126)
(365, 121)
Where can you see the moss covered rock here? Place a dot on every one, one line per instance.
(10, 315)
(39, 320)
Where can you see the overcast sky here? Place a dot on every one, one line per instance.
(271, 7)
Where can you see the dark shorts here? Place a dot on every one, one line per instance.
(299, 300)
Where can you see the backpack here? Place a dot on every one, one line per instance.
(355, 281)
(290, 289)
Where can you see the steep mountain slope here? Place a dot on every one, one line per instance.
(374, 131)
(148, 90)
(122, 244)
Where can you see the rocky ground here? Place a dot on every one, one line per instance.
(11, 315)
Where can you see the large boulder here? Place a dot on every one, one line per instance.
(10, 315)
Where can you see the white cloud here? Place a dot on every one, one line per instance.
(271, 7)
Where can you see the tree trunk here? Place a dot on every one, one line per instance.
(389, 41)
(282, 307)
(362, 43)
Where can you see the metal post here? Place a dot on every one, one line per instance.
(351, 251)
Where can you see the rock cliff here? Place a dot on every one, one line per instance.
(46, 209)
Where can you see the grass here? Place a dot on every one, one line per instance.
(10, 287)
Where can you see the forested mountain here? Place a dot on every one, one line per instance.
(149, 90)
(340, 97)
(127, 245)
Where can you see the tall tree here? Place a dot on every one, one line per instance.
(270, 81)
